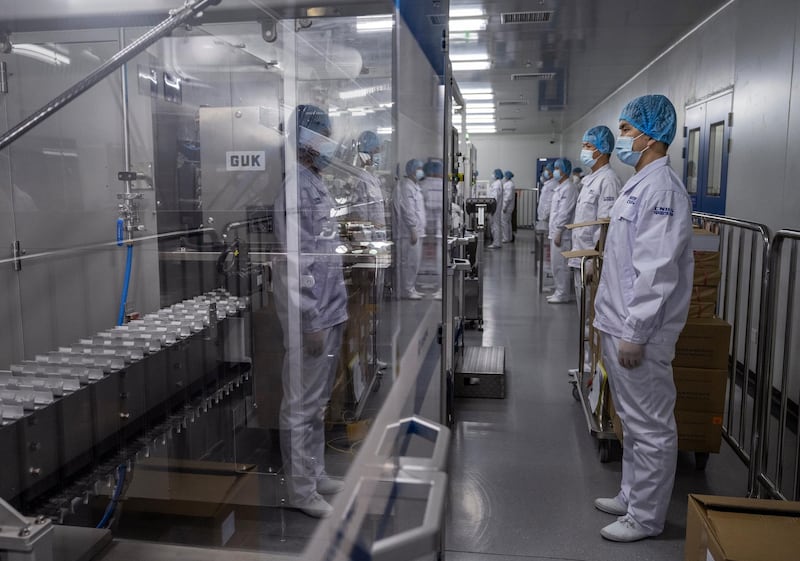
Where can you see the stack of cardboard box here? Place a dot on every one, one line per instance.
(700, 368)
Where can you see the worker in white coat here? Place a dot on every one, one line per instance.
(433, 193)
(509, 201)
(312, 282)
(546, 197)
(371, 206)
(562, 212)
(410, 210)
(640, 309)
(595, 199)
(496, 193)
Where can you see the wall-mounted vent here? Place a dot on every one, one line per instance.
(526, 17)
(533, 76)
(438, 19)
(512, 103)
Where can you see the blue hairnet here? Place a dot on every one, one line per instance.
(412, 166)
(368, 142)
(433, 167)
(654, 115)
(601, 138)
(498, 174)
(508, 175)
(549, 167)
(564, 165)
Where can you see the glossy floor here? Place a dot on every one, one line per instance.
(525, 470)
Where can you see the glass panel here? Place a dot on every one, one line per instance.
(693, 162)
(222, 339)
(715, 153)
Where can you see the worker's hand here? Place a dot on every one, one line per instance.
(557, 239)
(414, 237)
(630, 354)
(314, 343)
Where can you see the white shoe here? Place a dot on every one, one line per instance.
(493, 246)
(328, 486)
(412, 295)
(625, 529)
(558, 300)
(437, 295)
(611, 506)
(314, 506)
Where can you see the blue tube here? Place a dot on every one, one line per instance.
(120, 231)
(124, 300)
(114, 497)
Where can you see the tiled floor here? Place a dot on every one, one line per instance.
(525, 470)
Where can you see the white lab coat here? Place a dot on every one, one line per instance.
(546, 200)
(370, 201)
(496, 193)
(509, 201)
(410, 208)
(595, 200)
(561, 213)
(643, 297)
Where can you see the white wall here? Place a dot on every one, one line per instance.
(732, 50)
(515, 152)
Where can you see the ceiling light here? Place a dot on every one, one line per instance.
(482, 119)
(467, 91)
(480, 105)
(384, 130)
(465, 57)
(479, 97)
(471, 65)
(474, 24)
(482, 129)
(362, 92)
(480, 111)
(368, 24)
(466, 12)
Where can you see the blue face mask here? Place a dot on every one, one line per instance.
(557, 174)
(587, 159)
(419, 174)
(546, 174)
(624, 150)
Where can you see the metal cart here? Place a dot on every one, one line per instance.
(478, 208)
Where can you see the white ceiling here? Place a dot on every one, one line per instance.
(593, 45)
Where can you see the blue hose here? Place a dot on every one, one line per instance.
(124, 300)
(114, 497)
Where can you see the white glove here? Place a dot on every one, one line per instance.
(630, 354)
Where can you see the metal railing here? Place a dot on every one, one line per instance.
(776, 469)
(744, 262)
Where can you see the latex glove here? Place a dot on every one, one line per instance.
(630, 354)
(557, 239)
(414, 238)
(314, 343)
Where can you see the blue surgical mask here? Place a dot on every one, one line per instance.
(557, 174)
(624, 150)
(546, 174)
(587, 159)
(419, 174)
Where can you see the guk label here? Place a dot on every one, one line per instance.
(245, 161)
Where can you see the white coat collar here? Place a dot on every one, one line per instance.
(639, 176)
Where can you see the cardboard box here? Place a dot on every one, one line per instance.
(703, 240)
(702, 310)
(704, 343)
(704, 294)
(737, 529)
(699, 432)
(706, 260)
(699, 389)
(706, 277)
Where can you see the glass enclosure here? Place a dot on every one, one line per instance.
(225, 286)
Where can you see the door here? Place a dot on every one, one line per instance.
(707, 133)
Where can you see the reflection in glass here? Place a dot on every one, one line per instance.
(715, 152)
(693, 162)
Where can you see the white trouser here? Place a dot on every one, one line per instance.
(561, 273)
(410, 259)
(506, 223)
(644, 398)
(307, 384)
(497, 227)
(579, 294)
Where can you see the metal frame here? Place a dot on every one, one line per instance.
(759, 477)
(733, 288)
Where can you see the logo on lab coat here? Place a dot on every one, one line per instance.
(663, 211)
